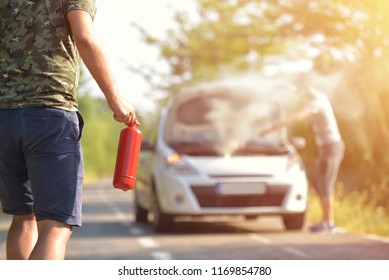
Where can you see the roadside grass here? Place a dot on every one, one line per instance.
(355, 211)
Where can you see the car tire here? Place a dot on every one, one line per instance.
(294, 221)
(140, 212)
(161, 222)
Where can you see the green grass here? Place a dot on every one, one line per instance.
(355, 211)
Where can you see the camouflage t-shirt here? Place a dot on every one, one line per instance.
(39, 61)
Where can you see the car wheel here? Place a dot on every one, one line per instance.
(161, 221)
(294, 221)
(140, 212)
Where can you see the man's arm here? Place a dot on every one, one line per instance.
(297, 117)
(97, 63)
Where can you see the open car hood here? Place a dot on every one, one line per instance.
(225, 117)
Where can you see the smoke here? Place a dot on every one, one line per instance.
(236, 125)
(346, 104)
(243, 106)
(336, 84)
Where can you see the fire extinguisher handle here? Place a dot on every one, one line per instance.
(135, 123)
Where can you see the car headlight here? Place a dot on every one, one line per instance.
(175, 163)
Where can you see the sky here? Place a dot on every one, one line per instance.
(122, 42)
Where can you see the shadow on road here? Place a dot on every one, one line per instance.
(198, 227)
(203, 227)
(106, 229)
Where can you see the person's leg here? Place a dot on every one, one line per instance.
(55, 169)
(22, 237)
(52, 241)
(329, 159)
(320, 182)
(334, 154)
(327, 203)
(15, 192)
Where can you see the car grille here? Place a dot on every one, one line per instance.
(208, 197)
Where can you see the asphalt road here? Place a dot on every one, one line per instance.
(110, 233)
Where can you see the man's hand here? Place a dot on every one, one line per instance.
(123, 111)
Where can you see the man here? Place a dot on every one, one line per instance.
(330, 151)
(41, 166)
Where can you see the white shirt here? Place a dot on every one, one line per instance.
(324, 123)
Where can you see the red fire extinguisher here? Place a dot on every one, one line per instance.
(127, 157)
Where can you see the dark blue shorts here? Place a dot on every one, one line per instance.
(41, 165)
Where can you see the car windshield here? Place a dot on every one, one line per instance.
(224, 121)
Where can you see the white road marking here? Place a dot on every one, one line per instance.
(147, 242)
(161, 256)
(295, 252)
(259, 238)
(156, 255)
(288, 249)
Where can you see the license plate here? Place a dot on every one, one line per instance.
(240, 188)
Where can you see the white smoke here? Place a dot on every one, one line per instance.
(245, 104)
(250, 109)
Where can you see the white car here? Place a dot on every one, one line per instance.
(206, 156)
